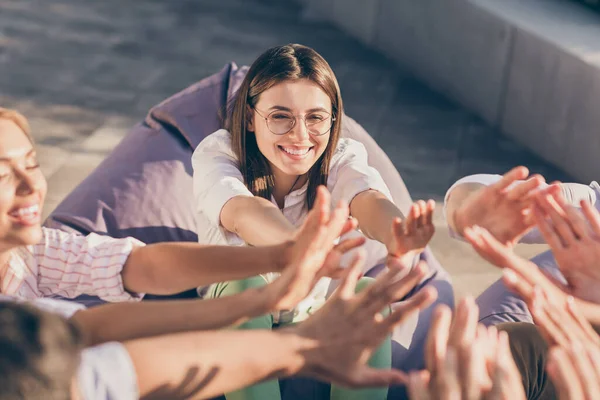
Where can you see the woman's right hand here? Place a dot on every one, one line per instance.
(313, 254)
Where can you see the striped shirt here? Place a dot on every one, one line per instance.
(69, 265)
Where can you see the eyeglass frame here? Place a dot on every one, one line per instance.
(331, 115)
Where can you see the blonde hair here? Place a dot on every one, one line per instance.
(18, 119)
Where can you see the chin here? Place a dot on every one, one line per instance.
(27, 236)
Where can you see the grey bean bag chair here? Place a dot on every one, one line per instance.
(144, 188)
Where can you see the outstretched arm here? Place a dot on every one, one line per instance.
(495, 202)
(168, 268)
(332, 345)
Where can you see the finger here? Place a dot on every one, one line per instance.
(547, 230)
(507, 360)
(585, 370)
(430, 212)
(422, 214)
(437, 338)
(552, 281)
(594, 356)
(348, 284)
(506, 377)
(387, 288)
(470, 362)
(521, 190)
(351, 225)
(447, 380)
(489, 247)
(506, 258)
(517, 173)
(573, 216)
(322, 204)
(552, 332)
(517, 285)
(348, 244)
(423, 299)
(492, 254)
(564, 375)
(582, 322)
(418, 387)
(413, 219)
(592, 216)
(464, 326)
(558, 217)
(336, 223)
(373, 377)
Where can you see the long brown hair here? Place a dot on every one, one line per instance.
(279, 64)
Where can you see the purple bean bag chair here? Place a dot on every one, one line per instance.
(144, 189)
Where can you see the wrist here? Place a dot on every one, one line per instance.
(303, 352)
(257, 301)
(280, 255)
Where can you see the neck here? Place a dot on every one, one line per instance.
(285, 184)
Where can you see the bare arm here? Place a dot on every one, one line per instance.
(333, 345)
(476, 201)
(456, 197)
(167, 268)
(202, 365)
(375, 214)
(153, 318)
(256, 220)
(380, 219)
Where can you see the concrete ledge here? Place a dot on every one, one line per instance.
(530, 68)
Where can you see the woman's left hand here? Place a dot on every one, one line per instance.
(414, 233)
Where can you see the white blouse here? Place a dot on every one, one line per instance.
(217, 178)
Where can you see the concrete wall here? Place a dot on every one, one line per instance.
(530, 68)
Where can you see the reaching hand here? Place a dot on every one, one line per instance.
(574, 362)
(415, 232)
(466, 360)
(313, 254)
(501, 208)
(574, 239)
(349, 327)
(522, 275)
(574, 372)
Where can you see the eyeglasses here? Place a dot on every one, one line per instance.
(281, 122)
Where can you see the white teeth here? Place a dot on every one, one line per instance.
(26, 211)
(299, 152)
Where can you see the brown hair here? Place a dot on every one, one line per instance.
(19, 120)
(40, 353)
(276, 65)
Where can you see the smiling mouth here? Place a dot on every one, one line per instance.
(27, 215)
(295, 152)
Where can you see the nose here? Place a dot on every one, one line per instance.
(299, 131)
(28, 183)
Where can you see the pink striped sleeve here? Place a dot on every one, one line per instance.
(70, 265)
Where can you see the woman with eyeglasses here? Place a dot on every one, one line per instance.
(255, 181)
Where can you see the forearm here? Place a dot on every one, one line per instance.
(126, 321)
(375, 213)
(454, 200)
(206, 364)
(167, 268)
(257, 221)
